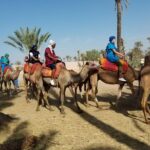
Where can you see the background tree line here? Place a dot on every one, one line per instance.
(133, 56)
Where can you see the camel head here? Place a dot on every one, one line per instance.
(88, 69)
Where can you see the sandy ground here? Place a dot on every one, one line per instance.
(94, 129)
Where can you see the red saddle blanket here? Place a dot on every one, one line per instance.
(7, 68)
(47, 72)
(30, 68)
(107, 65)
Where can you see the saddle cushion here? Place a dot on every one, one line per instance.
(27, 68)
(30, 68)
(7, 68)
(107, 65)
(46, 72)
(59, 67)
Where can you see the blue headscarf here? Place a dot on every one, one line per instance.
(111, 38)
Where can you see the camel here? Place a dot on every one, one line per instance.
(0, 78)
(145, 87)
(9, 76)
(35, 81)
(109, 77)
(68, 78)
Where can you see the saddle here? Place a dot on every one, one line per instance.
(107, 65)
(7, 68)
(49, 73)
(30, 68)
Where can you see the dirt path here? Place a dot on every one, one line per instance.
(92, 130)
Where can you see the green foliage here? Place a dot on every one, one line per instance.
(23, 39)
(136, 54)
(92, 55)
(68, 58)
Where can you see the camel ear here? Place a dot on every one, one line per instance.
(87, 63)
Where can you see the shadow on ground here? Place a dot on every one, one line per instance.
(21, 139)
(127, 103)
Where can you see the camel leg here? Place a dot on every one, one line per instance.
(26, 89)
(1, 85)
(76, 101)
(5, 84)
(62, 97)
(9, 88)
(94, 91)
(119, 93)
(144, 103)
(45, 94)
(38, 100)
(148, 109)
(87, 97)
(132, 88)
(71, 90)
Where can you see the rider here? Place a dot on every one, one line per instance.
(34, 55)
(113, 55)
(5, 61)
(50, 57)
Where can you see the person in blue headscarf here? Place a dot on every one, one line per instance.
(113, 55)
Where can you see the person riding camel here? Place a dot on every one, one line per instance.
(50, 58)
(5, 61)
(114, 56)
(34, 55)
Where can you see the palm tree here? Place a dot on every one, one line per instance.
(23, 39)
(119, 5)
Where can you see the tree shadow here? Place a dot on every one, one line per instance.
(119, 136)
(21, 139)
(5, 120)
(100, 148)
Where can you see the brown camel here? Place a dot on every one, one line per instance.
(67, 78)
(145, 87)
(1, 79)
(110, 77)
(9, 76)
(34, 80)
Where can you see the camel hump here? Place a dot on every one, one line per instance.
(107, 65)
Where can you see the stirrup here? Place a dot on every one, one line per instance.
(122, 79)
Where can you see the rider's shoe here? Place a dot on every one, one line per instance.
(122, 79)
(52, 82)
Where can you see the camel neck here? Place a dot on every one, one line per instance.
(15, 74)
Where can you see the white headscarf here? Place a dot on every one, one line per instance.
(51, 42)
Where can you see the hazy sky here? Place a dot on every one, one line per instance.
(74, 24)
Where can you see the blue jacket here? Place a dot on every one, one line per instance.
(110, 55)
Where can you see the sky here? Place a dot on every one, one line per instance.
(73, 24)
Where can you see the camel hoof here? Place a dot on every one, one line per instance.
(50, 109)
(27, 101)
(99, 107)
(62, 112)
(80, 111)
(37, 109)
(86, 105)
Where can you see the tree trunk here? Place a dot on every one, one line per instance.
(119, 15)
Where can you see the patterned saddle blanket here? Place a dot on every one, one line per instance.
(107, 65)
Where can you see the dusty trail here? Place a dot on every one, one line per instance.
(93, 130)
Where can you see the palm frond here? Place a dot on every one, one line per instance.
(23, 39)
(9, 43)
